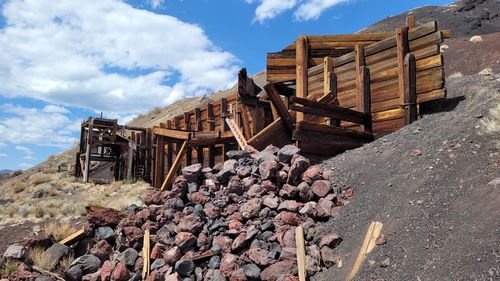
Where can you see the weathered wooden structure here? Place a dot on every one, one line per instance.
(325, 94)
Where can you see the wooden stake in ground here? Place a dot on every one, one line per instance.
(368, 245)
(301, 252)
(175, 165)
(238, 135)
(145, 255)
(73, 237)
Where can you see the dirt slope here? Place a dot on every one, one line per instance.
(440, 209)
(463, 18)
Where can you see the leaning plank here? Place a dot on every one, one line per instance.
(175, 165)
(301, 252)
(145, 255)
(279, 105)
(369, 239)
(73, 237)
(176, 134)
(238, 135)
(333, 111)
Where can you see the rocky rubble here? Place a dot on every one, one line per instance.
(235, 221)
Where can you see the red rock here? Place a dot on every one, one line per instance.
(268, 169)
(321, 188)
(173, 277)
(309, 209)
(202, 239)
(239, 242)
(189, 223)
(288, 253)
(269, 186)
(330, 240)
(289, 191)
(305, 192)
(349, 192)
(251, 208)
(287, 218)
(313, 174)
(151, 225)
(211, 211)
(157, 251)
(256, 190)
(102, 250)
(259, 256)
(279, 270)
(329, 257)
(104, 217)
(236, 186)
(289, 238)
(313, 259)
(235, 216)
(185, 240)
(271, 201)
(380, 240)
(143, 215)
(223, 242)
(199, 197)
(324, 208)
(172, 255)
(106, 270)
(238, 275)
(120, 273)
(298, 167)
(21, 275)
(290, 205)
(133, 233)
(230, 209)
(288, 278)
(228, 263)
(234, 224)
(153, 196)
(415, 152)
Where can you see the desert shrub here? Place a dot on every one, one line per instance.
(65, 263)
(58, 231)
(10, 211)
(17, 173)
(491, 124)
(37, 257)
(9, 267)
(72, 209)
(39, 178)
(38, 211)
(156, 110)
(17, 185)
(23, 211)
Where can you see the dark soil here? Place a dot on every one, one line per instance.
(10, 234)
(440, 210)
(463, 18)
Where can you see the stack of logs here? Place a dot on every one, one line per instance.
(256, 216)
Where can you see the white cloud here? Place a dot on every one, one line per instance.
(35, 126)
(156, 3)
(3, 155)
(2, 144)
(306, 10)
(105, 56)
(312, 9)
(55, 109)
(25, 165)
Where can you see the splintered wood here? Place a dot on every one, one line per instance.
(374, 231)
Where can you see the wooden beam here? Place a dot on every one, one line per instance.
(146, 255)
(335, 111)
(277, 102)
(74, 237)
(402, 48)
(359, 54)
(175, 166)
(410, 21)
(365, 99)
(325, 129)
(410, 90)
(301, 252)
(211, 127)
(170, 133)
(372, 234)
(197, 116)
(237, 133)
(301, 71)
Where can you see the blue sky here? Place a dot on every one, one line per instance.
(65, 60)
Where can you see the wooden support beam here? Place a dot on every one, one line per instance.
(410, 21)
(175, 166)
(325, 129)
(224, 112)
(301, 67)
(197, 116)
(240, 138)
(402, 47)
(410, 92)
(301, 252)
(187, 127)
(159, 159)
(245, 119)
(277, 102)
(365, 99)
(333, 111)
(170, 133)
(211, 127)
(359, 53)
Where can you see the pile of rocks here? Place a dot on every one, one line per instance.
(235, 221)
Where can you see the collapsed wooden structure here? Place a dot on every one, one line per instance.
(326, 94)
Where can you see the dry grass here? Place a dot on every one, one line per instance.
(65, 263)
(17, 185)
(37, 257)
(10, 211)
(39, 178)
(8, 268)
(58, 231)
(491, 124)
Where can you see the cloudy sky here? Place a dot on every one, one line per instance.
(63, 60)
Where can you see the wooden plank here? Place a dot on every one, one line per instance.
(187, 127)
(334, 110)
(410, 21)
(159, 160)
(74, 237)
(301, 73)
(401, 51)
(211, 127)
(237, 133)
(301, 252)
(175, 166)
(245, 118)
(410, 89)
(372, 231)
(146, 255)
(279, 105)
(325, 129)
(365, 99)
(176, 134)
(359, 54)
